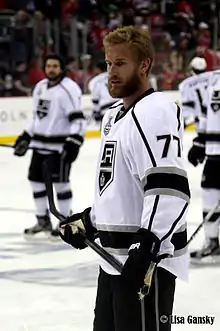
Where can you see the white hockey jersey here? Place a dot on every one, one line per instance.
(192, 91)
(210, 122)
(101, 99)
(141, 181)
(57, 114)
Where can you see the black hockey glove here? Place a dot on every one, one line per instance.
(144, 249)
(76, 227)
(196, 153)
(21, 144)
(71, 148)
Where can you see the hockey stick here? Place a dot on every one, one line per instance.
(206, 219)
(94, 246)
(117, 265)
(32, 148)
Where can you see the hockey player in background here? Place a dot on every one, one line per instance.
(58, 125)
(141, 192)
(98, 87)
(192, 91)
(207, 145)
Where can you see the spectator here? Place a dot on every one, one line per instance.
(36, 72)
(20, 81)
(72, 72)
(203, 37)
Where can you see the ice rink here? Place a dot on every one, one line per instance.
(47, 286)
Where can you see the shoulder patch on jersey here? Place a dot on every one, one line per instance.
(108, 126)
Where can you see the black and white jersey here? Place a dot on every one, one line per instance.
(210, 122)
(141, 181)
(193, 90)
(57, 114)
(101, 99)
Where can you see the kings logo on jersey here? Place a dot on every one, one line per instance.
(43, 108)
(106, 173)
(215, 104)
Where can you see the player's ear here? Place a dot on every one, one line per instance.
(145, 66)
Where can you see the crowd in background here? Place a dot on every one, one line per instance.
(30, 29)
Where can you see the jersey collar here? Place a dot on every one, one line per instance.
(122, 112)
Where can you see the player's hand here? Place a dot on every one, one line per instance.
(21, 144)
(71, 148)
(76, 227)
(144, 249)
(196, 153)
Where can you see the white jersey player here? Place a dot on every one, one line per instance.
(141, 192)
(56, 134)
(208, 144)
(98, 87)
(193, 90)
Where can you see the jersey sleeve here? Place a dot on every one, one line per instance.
(30, 127)
(71, 103)
(156, 160)
(187, 103)
(95, 95)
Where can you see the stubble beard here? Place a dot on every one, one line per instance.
(126, 89)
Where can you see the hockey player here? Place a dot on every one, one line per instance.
(58, 126)
(98, 87)
(192, 90)
(208, 144)
(141, 192)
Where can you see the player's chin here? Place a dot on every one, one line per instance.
(116, 92)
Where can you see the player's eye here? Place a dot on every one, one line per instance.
(120, 63)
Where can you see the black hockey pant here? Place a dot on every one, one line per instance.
(118, 307)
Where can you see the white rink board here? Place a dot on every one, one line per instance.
(48, 286)
(16, 113)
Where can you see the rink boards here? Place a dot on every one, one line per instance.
(16, 113)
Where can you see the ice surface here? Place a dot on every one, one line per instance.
(47, 286)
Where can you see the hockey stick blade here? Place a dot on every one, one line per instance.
(206, 219)
(117, 265)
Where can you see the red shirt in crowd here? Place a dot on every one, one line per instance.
(34, 76)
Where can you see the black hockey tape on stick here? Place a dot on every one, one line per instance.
(32, 148)
(206, 219)
(117, 265)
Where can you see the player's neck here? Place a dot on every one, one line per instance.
(128, 101)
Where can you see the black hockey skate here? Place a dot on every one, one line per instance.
(43, 226)
(211, 248)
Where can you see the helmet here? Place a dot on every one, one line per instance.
(197, 65)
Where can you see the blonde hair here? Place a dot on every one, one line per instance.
(137, 38)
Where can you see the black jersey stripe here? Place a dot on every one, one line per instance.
(69, 95)
(39, 194)
(178, 118)
(58, 139)
(175, 222)
(153, 161)
(116, 105)
(76, 115)
(121, 241)
(169, 181)
(210, 136)
(106, 106)
(64, 195)
(116, 240)
(156, 200)
(190, 104)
